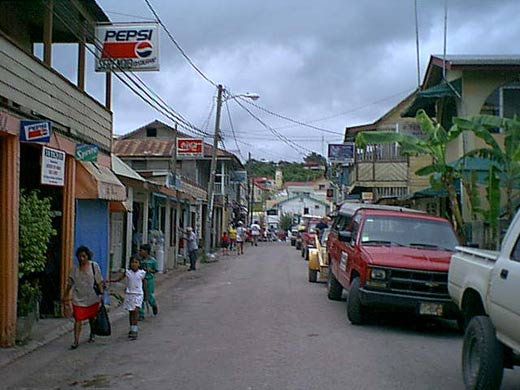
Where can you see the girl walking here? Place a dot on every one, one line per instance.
(135, 280)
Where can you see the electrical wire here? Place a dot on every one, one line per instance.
(289, 119)
(233, 131)
(158, 103)
(200, 72)
(292, 145)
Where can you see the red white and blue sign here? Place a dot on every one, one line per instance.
(35, 131)
(127, 46)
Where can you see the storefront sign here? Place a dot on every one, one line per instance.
(53, 167)
(238, 177)
(85, 152)
(35, 131)
(341, 153)
(190, 147)
(127, 46)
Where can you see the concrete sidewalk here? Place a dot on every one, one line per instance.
(49, 329)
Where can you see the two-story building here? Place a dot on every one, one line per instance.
(150, 150)
(42, 154)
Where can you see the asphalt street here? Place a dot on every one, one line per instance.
(252, 322)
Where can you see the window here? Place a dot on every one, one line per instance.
(504, 102)
(151, 132)
(306, 210)
(515, 253)
(321, 187)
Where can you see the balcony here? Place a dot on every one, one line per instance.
(38, 91)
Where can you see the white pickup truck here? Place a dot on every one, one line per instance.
(485, 285)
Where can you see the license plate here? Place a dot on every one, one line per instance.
(431, 309)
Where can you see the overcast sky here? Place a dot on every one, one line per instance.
(330, 63)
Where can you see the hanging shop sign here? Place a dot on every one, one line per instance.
(86, 152)
(341, 153)
(35, 131)
(127, 46)
(238, 177)
(53, 167)
(190, 147)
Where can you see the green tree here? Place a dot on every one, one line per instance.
(315, 157)
(35, 232)
(286, 221)
(442, 174)
(505, 170)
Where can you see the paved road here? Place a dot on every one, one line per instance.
(252, 322)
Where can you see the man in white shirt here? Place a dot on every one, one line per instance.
(255, 233)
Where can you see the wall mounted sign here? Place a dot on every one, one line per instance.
(35, 131)
(190, 147)
(86, 152)
(53, 167)
(341, 153)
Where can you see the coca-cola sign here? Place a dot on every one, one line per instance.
(190, 147)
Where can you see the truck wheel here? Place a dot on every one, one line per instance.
(313, 275)
(482, 355)
(356, 313)
(302, 252)
(306, 254)
(298, 245)
(293, 242)
(334, 289)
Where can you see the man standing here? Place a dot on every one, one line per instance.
(255, 233)
(191, 247)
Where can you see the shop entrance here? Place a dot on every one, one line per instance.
(49, 278)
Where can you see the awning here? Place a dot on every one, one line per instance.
(426, 99)
(94, 181)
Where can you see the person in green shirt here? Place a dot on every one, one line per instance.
(149, 264)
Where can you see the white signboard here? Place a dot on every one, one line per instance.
(53, 167)
(127, 46)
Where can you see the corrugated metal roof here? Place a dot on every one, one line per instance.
(471, 59)
(121, 169)
(149, 147)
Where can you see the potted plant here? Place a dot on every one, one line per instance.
(35, 232)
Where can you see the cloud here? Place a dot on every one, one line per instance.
(335, 63)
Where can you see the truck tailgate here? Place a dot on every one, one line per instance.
(470, 267)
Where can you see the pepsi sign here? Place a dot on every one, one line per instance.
(127, 46)
(35, 131)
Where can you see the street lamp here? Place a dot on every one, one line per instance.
(208, 225)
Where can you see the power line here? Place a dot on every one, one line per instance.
(233, 130)
(290, 119)
(177, 45)
(293, 145)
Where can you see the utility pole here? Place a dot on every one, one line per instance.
(213, 171)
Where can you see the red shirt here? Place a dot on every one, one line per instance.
(224, 239)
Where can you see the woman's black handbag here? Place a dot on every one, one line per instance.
(101, 325)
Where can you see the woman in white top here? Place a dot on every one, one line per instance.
(134, 293)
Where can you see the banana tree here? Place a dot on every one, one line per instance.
(505, 159)
(442, 174)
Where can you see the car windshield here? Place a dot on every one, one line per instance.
(410, 232)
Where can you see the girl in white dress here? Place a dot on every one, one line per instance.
(134, 293)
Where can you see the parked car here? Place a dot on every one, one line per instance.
(485, 286)
(293, 234)
(390, 258)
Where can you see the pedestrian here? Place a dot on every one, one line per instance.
(149, 264)
(232, 232)
(255, 233)
(135, 287)
(224, 243)
(192, 247)
(86, 283)
(241, 236)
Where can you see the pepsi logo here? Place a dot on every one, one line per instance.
(143, 49)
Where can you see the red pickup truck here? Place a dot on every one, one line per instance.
(390, 258)
(308, 237)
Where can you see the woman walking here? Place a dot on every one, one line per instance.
(86, 283)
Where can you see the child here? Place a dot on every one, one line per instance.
(224, 243)
(134, 293)
(149, 264)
